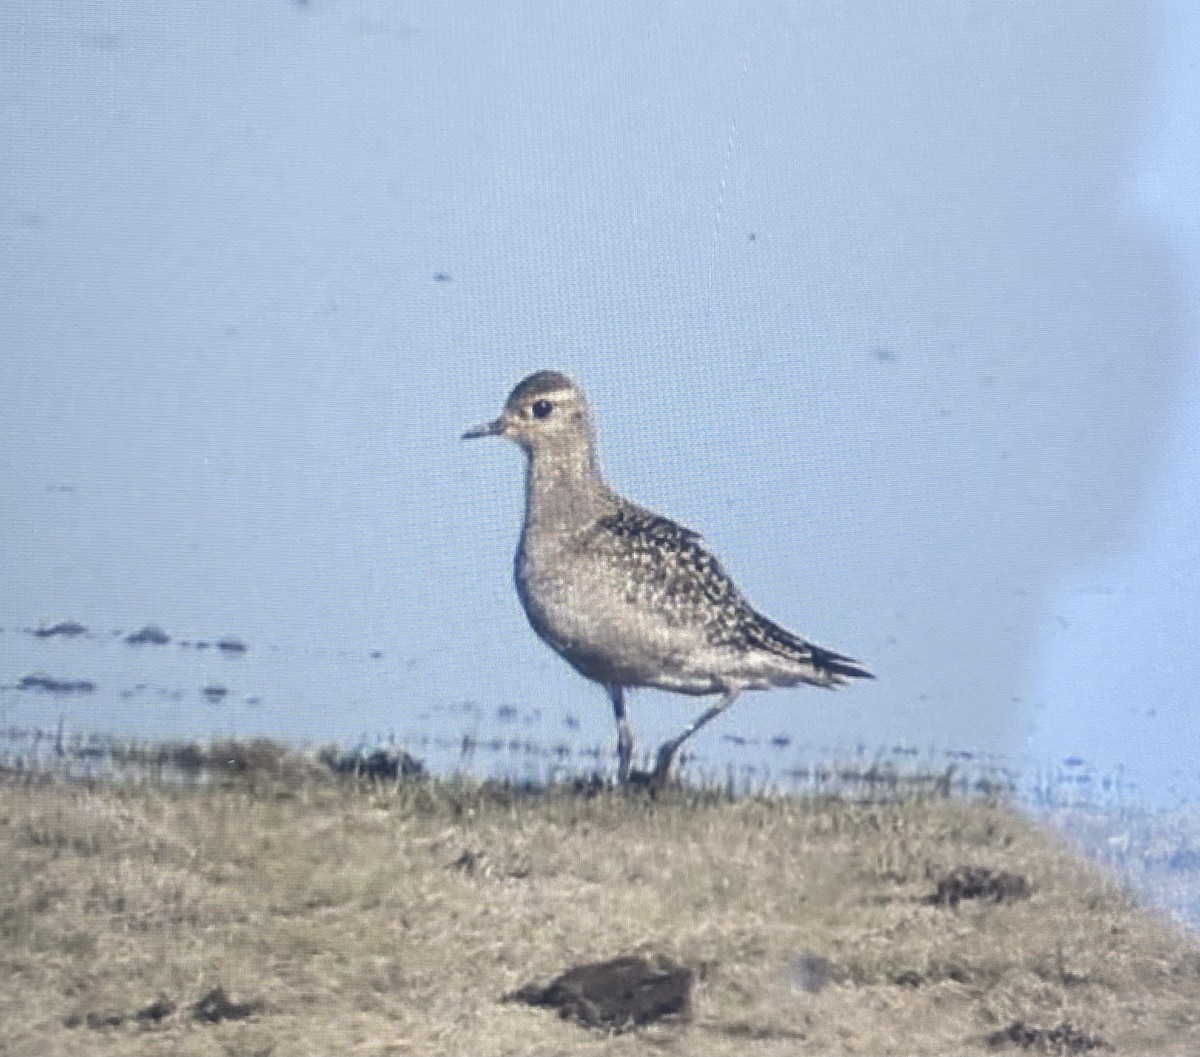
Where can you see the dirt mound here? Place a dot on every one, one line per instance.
(618, 994)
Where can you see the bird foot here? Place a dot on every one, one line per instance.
(653, 780)
(662, 764)
(638, 779)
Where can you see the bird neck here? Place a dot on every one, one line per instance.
(563, 487)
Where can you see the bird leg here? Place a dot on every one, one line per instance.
(668, 749)
(624, 733)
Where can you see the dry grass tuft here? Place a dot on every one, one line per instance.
(320, 915)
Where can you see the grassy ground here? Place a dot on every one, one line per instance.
(391, 919)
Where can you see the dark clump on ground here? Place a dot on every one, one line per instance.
(618, 994)
(979, 882)
(1064, 1038)
(65, 629)
(161, 1008)
(216, 1005)
(813, 973)
(48, 684)
(383, 764)
(150, 635)
(158, 1010)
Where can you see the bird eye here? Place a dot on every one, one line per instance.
(541, 408)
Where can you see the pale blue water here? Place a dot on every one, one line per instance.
(897, 305)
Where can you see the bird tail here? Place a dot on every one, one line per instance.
(828, 668)
(837, 667)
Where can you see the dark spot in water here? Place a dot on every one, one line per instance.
(572, 722)
(780, 741)
(231, 645)
(506, 713)
(66, 629)
(215, 693)
(1185, 860)
(1073, 761)
(753, 236)
(202, 645)
(734, 739)
(64, 489)
(49, 685)
(375, 654)
(150, 635)
(441, 277)
(883, 354)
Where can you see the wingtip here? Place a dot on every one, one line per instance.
(839, 668)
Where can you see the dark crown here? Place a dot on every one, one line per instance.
(539, 383)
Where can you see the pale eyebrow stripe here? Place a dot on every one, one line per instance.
(548, 394)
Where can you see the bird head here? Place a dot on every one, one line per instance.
(546, 409)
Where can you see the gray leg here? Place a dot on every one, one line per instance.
(624, 733)
(668, 749)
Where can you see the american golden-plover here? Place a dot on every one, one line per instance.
(627, 597)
